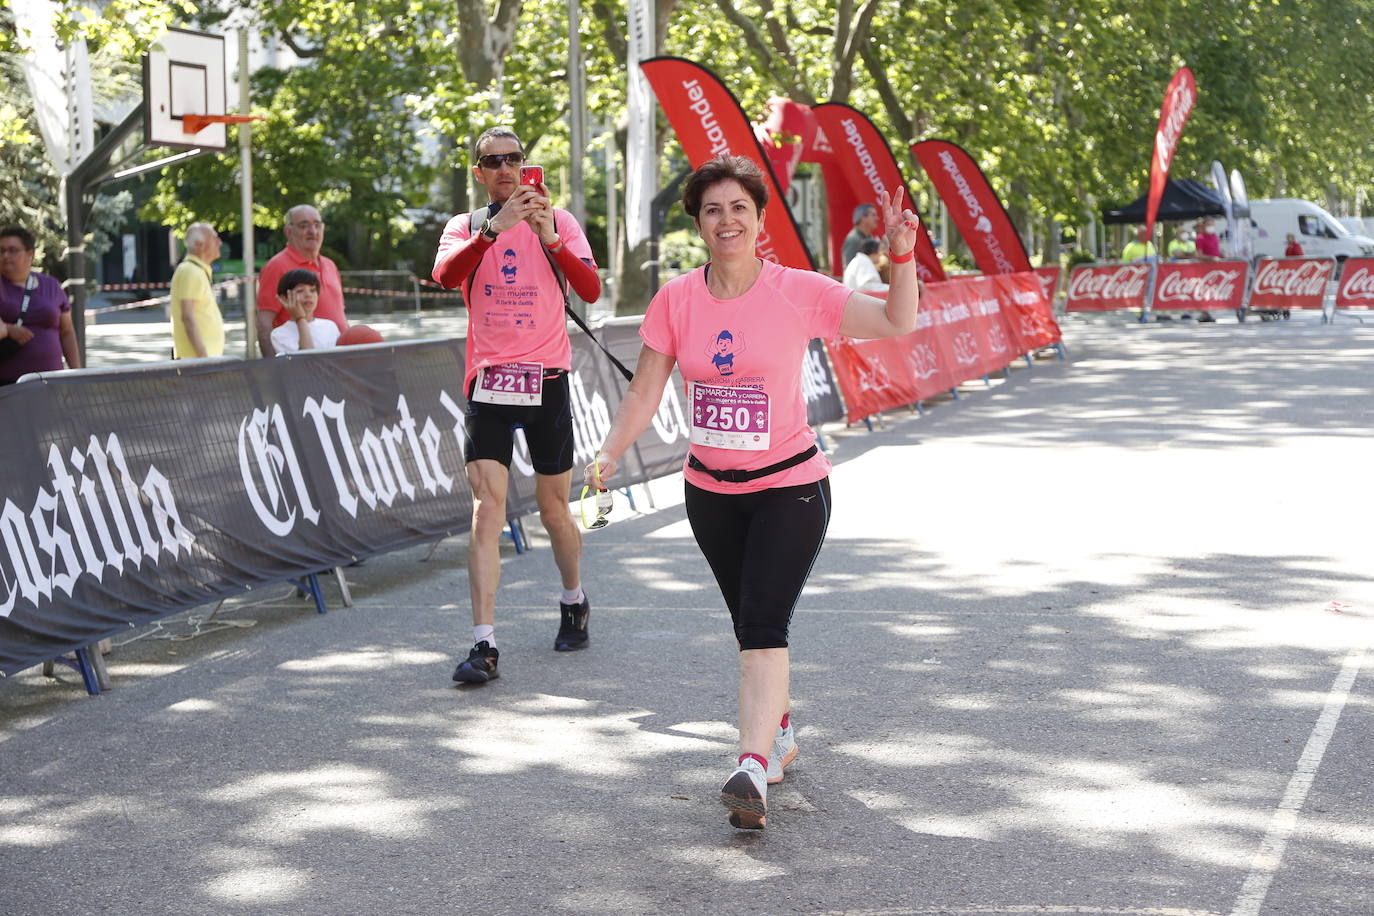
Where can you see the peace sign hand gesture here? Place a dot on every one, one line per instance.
(901, 225)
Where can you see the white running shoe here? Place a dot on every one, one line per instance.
(745, 793)
(784, 752)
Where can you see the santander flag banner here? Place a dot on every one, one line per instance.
(980, 217)
(1205, 285)
(1357, 284)
(786, 135)
(866, 162)
(1108, 287)
(709, 123)
(1291, 283)
(1179, 99)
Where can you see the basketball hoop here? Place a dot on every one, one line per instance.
(194, 123)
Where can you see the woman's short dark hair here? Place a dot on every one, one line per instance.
(724, 168)
(298, 277)
(24, 236)
(870, 245)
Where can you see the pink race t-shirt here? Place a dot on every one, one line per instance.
(515, 305)
(735, 352)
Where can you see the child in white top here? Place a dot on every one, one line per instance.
(299, 292)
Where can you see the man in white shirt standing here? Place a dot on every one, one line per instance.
(861, 273)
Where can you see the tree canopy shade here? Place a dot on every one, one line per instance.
(1183, 199)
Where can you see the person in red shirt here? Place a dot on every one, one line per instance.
(304, 237)
(1294, 250)
(1208, 244)
(518, 356)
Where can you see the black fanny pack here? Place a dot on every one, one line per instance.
(746, 476)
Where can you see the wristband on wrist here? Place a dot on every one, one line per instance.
(902, 258)
(557, 245)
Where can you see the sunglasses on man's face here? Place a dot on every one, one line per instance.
(493, 160)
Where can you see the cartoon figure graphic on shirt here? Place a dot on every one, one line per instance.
(723, 351)
(508, 266)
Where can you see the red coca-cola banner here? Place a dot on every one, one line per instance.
(980, 217)
(1179, 99)
(1200, 286)
(1107, 287)
(1291, 283)
(1356, 287)
(866, 162)
(709, 122)
(1049, 280)
(965, 329)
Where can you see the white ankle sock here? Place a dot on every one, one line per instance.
(572, 595)
(485, 632)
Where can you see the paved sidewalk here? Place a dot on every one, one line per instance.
(1067, 651)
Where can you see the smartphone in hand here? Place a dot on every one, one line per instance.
(532, 175)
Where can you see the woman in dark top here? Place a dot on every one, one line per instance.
(36, 331)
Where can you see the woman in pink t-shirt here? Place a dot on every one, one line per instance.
(757, 488)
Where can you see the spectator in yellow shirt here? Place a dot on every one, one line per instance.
(197, 326)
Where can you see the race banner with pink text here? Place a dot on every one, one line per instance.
(1179, 99)
(709, 122)
(1200, 286)
(1050, 276)
(866, 161)
(977, 212)
(1356, 289)
(1107, 287)
(1291, 283)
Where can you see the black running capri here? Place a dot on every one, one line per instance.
(761, 547)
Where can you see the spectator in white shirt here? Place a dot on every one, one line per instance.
(861, 273)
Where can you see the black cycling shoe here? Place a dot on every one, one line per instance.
(480, 666)
(572, 628)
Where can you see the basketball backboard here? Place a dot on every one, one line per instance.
(183, 74)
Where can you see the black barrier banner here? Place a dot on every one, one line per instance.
(823, 401)
(133, 494)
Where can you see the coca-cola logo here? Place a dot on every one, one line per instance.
(1292, 279)
(1213, 286)
(1180, 105)
(1358, 284)
(1124, 282)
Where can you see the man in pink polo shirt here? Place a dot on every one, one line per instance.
(511, 259)
(304, 236)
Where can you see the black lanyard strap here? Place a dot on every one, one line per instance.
(30, 285)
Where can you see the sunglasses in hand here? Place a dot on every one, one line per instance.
(601, 505)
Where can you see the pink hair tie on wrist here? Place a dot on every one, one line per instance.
(902, 258)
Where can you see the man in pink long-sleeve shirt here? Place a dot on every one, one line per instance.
(518, 357)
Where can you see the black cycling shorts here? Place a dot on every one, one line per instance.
(489, 429)
(761, 547)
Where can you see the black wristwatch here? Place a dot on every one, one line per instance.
(488, 230)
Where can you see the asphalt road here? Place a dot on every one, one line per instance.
(1067, 650)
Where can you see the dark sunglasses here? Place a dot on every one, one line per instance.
(494, 160)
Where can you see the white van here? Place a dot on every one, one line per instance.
(1318, 232)
(1358, 225)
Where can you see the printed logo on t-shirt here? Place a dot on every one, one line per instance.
(723, 350)
(508, 267)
